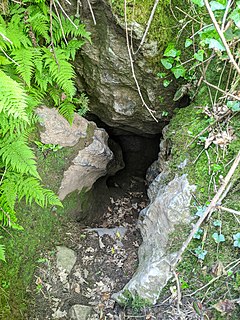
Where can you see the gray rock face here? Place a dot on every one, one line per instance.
(89, 165)
(80, 312)
(104, 71)
(169, 207)
(93, 155)
(66, 258)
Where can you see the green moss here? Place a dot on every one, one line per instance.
(135, 302)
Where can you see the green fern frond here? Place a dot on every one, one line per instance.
(31, 189)
(24, 59)
(40, 24)
(12, 98)
(61, 70)
(8, 191)
(72, 47)
(2, 252)
(67, 110)
(15, 153)
(17, 35)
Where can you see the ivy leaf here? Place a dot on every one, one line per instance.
(235, 16)
(167, 63)
(166, 83)
(198, 234)
(233, 105)
(188, 43)
(215, 44)
(200, 253)
(178, 71)
(236, 237)
(171, 51)
(217, 223)
(218, 237)
(199, 3)
(161, 75)
(215, 5)
(199, 55)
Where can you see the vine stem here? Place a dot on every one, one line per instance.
(209, 209)
(221, 35)
(132, 65)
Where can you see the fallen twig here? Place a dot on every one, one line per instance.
(229, 210)
(209, 209)
(221, 90)
(221, 35)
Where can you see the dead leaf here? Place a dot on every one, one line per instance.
(218, 269)
(224, 306)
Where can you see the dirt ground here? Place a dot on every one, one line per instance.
(105, 263)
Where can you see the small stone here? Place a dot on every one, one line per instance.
(66, 258)
(80, 312)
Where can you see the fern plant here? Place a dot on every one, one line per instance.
(37, 47)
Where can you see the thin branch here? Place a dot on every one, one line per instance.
(67, 16)
(221, 35)
(209, 209)
(229, 3)
(60, 22)
(5, 38)
(229, 210)
(92, 13)
(7, 56)
(221, 90)
(148, 25)
(132, 65)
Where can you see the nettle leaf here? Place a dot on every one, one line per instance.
(233, 105)
(200, 253)
(215, 44)
(178, 71)
(218, 237)
(235, 16)
(188, 43)
(215, 5)
(199, 55)
(236, 238)
(167, 63)
(199, 3)
(171, 51)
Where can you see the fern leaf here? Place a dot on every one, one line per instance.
(31, 189)
(72, 47)
(15, 153)
(12, 98)
(24, 59)
(2, 252)
(40, 24)
(67, 110)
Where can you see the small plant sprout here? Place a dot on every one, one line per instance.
(236, 238)
(218, 237)
(198, 234)
(200, 253)
(217, 223)
(200, 210)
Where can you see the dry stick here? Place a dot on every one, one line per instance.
(229, 3)
(221, 35)
(132, 66)
(223, 91)
(229, 210)
(92, 13)
(60, 22)
(179, 295)
(209, 209)
(63, 11)
(148, 25)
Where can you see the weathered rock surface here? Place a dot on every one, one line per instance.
(104, 72)
(80, 312)
(169, 207)
(93, 154)
(66, 258)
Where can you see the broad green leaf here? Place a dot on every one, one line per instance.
(233, 105)
(235, 16)
(215, 44)
(217, 223)
(167, 63)
(188, 43)
(218, 237)
(236, 238)
(178, 71)
(199, 3)
(171, 51)
(199, 55)
(215, 5)
(166, 83)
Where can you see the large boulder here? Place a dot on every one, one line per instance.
(90, 155)
(169, 208)
(104, 72)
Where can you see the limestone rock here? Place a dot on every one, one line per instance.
(169, 207)
(66, 258)
(104, 72)
(80, 312)
(89, 165)
(92, 156)
(58, 130)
